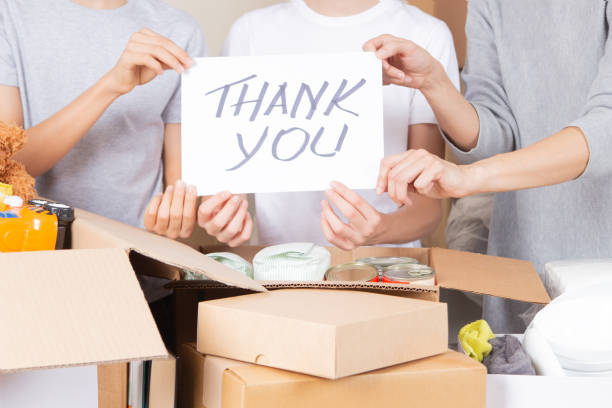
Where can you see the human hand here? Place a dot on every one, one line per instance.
(146, 56)
(427, 174)
(173, 213)
(365, 223)
(226, 217)
(404, 62)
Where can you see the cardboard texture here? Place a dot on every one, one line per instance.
(163, 384)
(464, 271)
(112, 385)
(325, 333)
(65, 308)
(447, 380)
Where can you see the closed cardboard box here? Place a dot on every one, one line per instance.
(327, 333)
(447, 380)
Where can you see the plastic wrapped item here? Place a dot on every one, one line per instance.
(577, 326)
(229, 259)
(561, 276)
(292, 262)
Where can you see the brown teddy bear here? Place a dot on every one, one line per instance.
(12, 139)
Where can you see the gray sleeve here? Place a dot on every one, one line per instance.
(8, 71)
(484, 88)
(196, 48)
(596, 119)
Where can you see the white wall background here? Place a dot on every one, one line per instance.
(217, 16)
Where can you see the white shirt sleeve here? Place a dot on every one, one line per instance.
(442, 47)
(237, 43)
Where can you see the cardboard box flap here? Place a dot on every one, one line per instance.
(66, 308)
(214, 367)
(115, 234)
(488, 275)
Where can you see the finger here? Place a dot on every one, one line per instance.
(176, 210)
(404, 175)
(352, 214)
(151, 212)
(234, 227)
(189, 212)
(341, 229)
(341, 243)
(209, 208)
(430, 174)
(395, 47)
(245, 235)
(386, 165)
(145, 60)
(163, 215)
(376, 42)
(160, 53)
(177, 51)
(354, 199)
(223, 217)
(395, 74)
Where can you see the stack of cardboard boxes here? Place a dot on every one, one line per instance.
(85, 307)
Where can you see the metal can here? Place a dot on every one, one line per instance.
(381, 262)
(356, 272)
(409, 273)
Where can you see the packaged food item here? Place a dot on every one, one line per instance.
(409, 273)
(6, 190)
(292, 262)
(355, 272)
(65, 217)
(234, 261)
(26, 229)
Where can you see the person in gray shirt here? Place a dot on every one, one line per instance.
(537, 112)
(84, 77)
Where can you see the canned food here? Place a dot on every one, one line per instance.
(409, 273)
(357, 272)
(381, 262)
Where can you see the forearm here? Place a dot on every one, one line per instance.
(49, 141)
(410, 223)
(559, 158)
(456, 116)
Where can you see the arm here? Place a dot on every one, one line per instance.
(559, 158)
(481, 125)
(146, 56)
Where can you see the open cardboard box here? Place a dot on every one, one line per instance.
(463, 271)
(85, 306)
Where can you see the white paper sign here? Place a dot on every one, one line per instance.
(282, 123)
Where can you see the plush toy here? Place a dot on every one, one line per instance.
(12, 139)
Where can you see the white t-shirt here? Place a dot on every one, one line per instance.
(293, 27)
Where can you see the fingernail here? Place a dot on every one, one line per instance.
(334, 184)
(192, 188)
(225, 194)
(180, 184)
(169, 189)
(190, 62)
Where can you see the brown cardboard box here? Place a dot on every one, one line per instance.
(85, 306)
(463, 271)
(327, 333)
(447, 380)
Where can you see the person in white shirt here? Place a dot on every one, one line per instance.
(359, 217)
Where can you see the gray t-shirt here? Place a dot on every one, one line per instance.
(55, 50)
(534, 68)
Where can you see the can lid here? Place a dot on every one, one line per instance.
(63, 212)
(355, 271)
(13, 201)
(38, 201)
(408, 272)
(382, 262)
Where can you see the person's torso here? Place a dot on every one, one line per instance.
(293, 28)
(61, 49)
(549, 53)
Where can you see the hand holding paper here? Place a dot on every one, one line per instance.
(225, 217)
